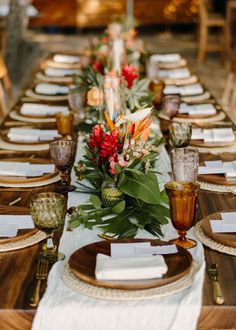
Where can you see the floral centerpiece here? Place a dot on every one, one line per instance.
(136, 91)
(120, 167)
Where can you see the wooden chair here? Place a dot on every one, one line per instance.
(228, 100)
(6, 97)
(208, 20)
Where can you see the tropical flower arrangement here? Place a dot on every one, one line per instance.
(122, 28)
(119, 164)
(136, 91)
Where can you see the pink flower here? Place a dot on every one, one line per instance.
(121, 161)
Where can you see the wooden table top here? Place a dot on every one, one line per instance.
(18, 268)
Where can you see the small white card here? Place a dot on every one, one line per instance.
(9, 224)
(218, 226)
(23, 221)
(142, 249)
(228, 217)
(164, 249)
(126, 250)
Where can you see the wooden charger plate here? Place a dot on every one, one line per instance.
(82, 263)
(201, 143)
(182, 115)
(217, 179)
(21, 179)
(3, 135)
(22, 234)
(228, 239)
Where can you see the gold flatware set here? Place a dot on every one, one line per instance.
(41, 275)
(218, 295)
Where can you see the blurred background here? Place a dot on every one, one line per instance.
(30, 28)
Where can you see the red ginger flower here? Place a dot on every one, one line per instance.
(96, 137)
(109, 145)
(97, 66)
(130, 73)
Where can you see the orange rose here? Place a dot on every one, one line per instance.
(95, 97)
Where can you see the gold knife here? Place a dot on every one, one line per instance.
(217, 290)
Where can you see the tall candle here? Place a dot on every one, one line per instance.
(117, 53)
(130, 8)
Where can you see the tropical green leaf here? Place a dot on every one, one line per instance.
(95, 200)
(119, 208)
(144, 187)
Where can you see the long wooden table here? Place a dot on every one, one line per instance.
(17, 271)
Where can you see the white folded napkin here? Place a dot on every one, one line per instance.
(209, 170)
(165, 58)
(219, 167)
(197, 134)
(214, 163)
(60, 58)
(23, 169)
(175, 73)
(192, 89)
(230, 169)
(197, 109)
(214, 135)
(51, 89)
(8, 230)
(218, 135)
(9, 224)
(31, 135)
(140, 268)
(37, 109)
(57, 72)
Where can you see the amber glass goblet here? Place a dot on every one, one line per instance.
(182, 199)
(63, 153)
(65, 122)
(170, 105)
(185, 163)
(48, 211)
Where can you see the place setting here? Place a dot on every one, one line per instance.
(213, 140)
(27, 172)
(27, 138)
(48, 92)
(218, 231)
(167, 61)
(68, 61)
(37, 112)
(17, 229)
(129, 269)
(56, 75)
(218, 174)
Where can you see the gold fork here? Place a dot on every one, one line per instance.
(41, 274)
(217, 291)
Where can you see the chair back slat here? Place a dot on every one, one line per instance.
(228, 91)
(6, 97)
